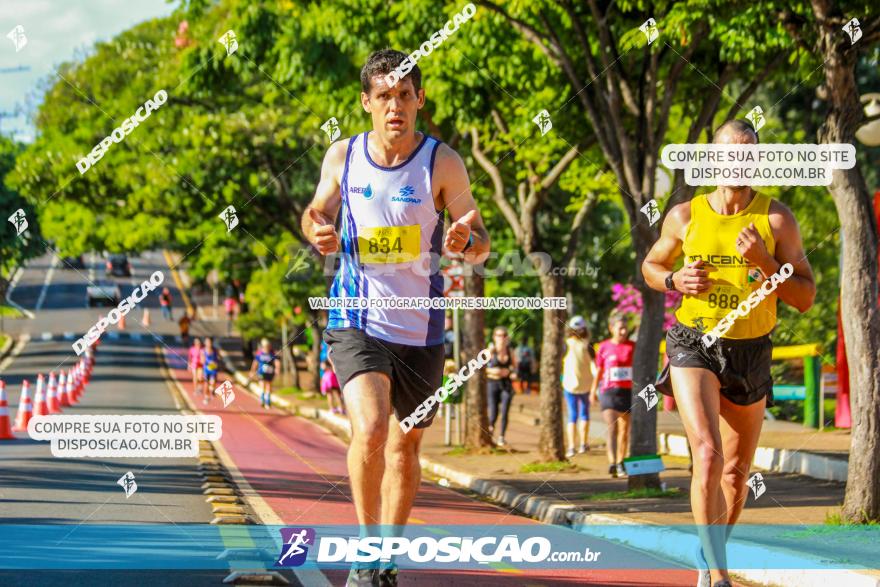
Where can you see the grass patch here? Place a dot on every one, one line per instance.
(646, 493)
(548, 467)
(10, 312)
(835, 519)
(463, 451)
(295, 392)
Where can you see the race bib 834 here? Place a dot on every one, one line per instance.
(389, 244)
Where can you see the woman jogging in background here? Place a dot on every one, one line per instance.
(525, 367)
(577, 380)
(330, 388)
(195, 362)
(265, 364)
(614, 361)
(500, 371)
(211, 362)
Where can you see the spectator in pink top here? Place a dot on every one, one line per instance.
(229, 305)
(330, 388)
(614, 362)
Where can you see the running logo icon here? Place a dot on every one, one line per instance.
(128, 483)
(756, 482)
(19, 39)
(229, 41)
(295, 548)
(299, 264)
(756, 117)
(19, 221)
(854, 29)
(543, 121)
(226, 393)
(229, 218)
(649, 394)
(652, 211)
(649, 27)
(331, 127)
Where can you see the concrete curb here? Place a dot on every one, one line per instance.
(680, 546)
(667, 543)
(780, 460)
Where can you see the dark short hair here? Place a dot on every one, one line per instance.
(382, 63)
(740, 126)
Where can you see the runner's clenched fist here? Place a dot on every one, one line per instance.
(324, 235)
(459, 233)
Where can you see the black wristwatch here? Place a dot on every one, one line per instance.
(670, 284)
(469, 243)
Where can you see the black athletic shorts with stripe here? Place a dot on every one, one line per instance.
(741, 365)
(415, 371)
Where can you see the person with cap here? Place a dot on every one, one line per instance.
(578, 370)
(265, 364)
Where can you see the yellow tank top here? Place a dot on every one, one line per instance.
(711, 236)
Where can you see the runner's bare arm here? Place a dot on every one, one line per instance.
(690, 279)
(320, 216)
(454, 188)
(799, 290)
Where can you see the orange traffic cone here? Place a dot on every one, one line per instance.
(78, 387)
(146, 320)
(62, 392)
(53, 401)
(40, 406)
(5, 429)
(25, 409)
(69, 387)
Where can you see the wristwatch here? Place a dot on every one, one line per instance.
(469, 243)
(670, 284)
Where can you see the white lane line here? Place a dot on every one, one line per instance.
(46, 336)
(12, 283)
(92, 266)
(46, 283)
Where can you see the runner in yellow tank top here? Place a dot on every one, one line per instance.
(742, 251)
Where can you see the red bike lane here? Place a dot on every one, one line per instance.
(299, 469)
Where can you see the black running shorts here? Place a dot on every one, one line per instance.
(616, 398)
(415, 371)
(741, 365)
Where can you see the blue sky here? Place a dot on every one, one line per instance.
(54, 30)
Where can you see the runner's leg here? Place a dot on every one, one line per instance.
(403, 474)
(740, 429)
(623, 436)
(506, 400)
(583, 419)
(368, 397)
(612, 422)
(697, 393)
(494, 399)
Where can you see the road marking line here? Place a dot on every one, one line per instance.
(12, 283)
(46, 283)
(178, 282)
(46, 336)
(92, 266)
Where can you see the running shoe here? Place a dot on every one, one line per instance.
(501, 441)
(612, 470)
(621, 472)
(583, 448)
(569, 453)
(705, 578)
(359, 577)
(388, 576)
(723, 583)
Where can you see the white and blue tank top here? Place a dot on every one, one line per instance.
(391, 239)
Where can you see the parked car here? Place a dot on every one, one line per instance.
(73, 262)
(118, 266)
(103, 293)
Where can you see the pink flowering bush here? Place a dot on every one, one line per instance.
(629, 303)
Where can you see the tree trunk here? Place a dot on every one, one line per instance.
(477, 435)
(861, 317)
(550, 443)
(643, 432)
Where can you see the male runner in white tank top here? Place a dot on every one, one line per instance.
(389, 188)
